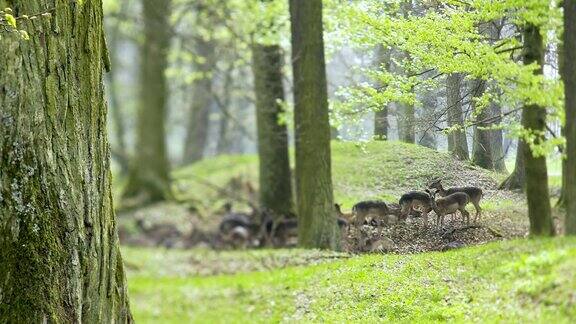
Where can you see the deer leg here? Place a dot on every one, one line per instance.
(478, 211)
(465, 214)
(425, 216)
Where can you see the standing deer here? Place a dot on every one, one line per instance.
(474, 193)
(413, 199)
(448, 205)
(377, 209)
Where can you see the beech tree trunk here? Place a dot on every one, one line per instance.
(458, 140)
(59, 256)
(569, 77)
(497, 141)
(316, 219)
(534, 120)
(517, 179)
(482, 146)
(275, 180)
(149, 178)
(202, 96)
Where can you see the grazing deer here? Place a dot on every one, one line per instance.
(413, 199)
(343, 219)
(375, 208)
(474, 193)
(449, 205)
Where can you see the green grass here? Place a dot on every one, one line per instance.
(513, 281)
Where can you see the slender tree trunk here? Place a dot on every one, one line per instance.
(316, 221)
(534, 120)
(497, 141)
(408, 113)
(455, 116)
(562, 70)
(569, 76)
(275, 180)
(381, 114)
(429, 104)
(197, 135)
(223, 145)
(59, 254)
(149, 178)
(482, 146)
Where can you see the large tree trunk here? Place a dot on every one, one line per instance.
(202, 97)
(458, 140)
(429, 104)
(534, 120)
(569, 76)
(482, 146)
(149, 178)
(316, 220)
(381, 114)
(408, 113)
(59, 255)
(275, 180)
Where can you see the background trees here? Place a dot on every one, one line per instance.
(59, 253)
(149, 178)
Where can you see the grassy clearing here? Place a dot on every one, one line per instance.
(511, 281)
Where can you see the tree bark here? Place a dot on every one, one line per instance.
(569, 77)
(381, 114)
(534, 120)
(223, 145)
(482, 146)
(497, 141)
(517, 179)
(59, 255)
(316, 220)
(149, 178)
(458, 139)
(197, 135)
(275, 179)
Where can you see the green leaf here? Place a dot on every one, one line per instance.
(10, 20)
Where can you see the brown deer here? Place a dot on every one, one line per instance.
(449, 205)
(413, 199)
(377, 209)
(474, 193)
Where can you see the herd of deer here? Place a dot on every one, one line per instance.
(263, 229)
(451, 201)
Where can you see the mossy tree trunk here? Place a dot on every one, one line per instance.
(482, 145)
(223, 144)
(458, 140)
(534, 120)
(408, 113)
(569, 76)
(275, 180)
(59, 254)
(316, 219)
(202, 92)
(149, 178)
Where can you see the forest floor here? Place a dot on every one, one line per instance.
(507, 281)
